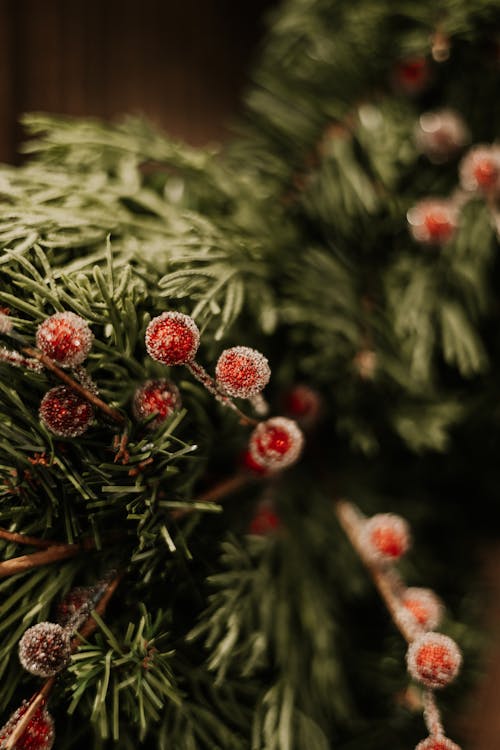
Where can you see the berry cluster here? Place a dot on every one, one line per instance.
(441, 135)
(433, 659)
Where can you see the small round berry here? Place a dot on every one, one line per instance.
(480, 169)
(411, 76)
(242, 372)
(426, 608)
(437, 743)
(265, 521)
(39, 733)
(440, 135)
(156, 397)
(172, 338)
(45, 649)
(276, 443)
(433, 221)
(434, 660)
(386, 537)
(304, 404)
(65, 413)
(66, 338)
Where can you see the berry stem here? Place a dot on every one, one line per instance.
(208, 382)
(218, 492)
(385, 581)
(52, 554)
(432, 716)
(74, 385)
(31, 541)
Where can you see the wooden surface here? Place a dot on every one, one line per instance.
(181, 62)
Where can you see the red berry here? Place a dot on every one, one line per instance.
(433, 221)
(303, 403)
(45, 649)
(38, 735)
(437, 743)
(424, 605)
(160, 397)
(265, 521)
(66, 338)
(65, 413)
(172, 338)
(480, 169)
(440, 135)
(412, 75)
(434, 659)
(386, 537)
(250, 463)
(242, 372)
(276, 443)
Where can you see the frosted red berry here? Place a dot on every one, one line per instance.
(480, 169)
(434, 660)
(433, 221)
(265, 521)
(65, 413)
(304, 404)
(425, 607)
(172, 338)
(276, 443)
(156, 397)
(45, 649)
(441, 134)
(38, 735)
(386, 537)
(437, 743)
(66, 338)
(242, 372)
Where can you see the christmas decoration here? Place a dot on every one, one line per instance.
(433, 221)
(276, 443)
(437, 743)
(441, 134)
(424, 605)
(65, 413)
(172, 338)
(39, 733)
(242, 372)
(44, 649)
(156, 397)
(387, 537)
(434, 659)
(66, 338)
(480, 169)
(304, 404)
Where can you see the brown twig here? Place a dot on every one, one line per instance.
(52, 554)
(43, 694)
(30, 541)
(218, 492)
(74, 385)
(350, 520)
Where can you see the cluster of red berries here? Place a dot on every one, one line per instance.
(433, 659)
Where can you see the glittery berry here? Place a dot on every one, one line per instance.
(156, 397)
(38, 735)
(276, 443)
(434, 660)
(45, 649)
(304, 404)
(242, 372)
(441, 134)
(480, 169)
(433, 221)
(437, 743)
(65, 413)
(424, 605)
(66, 338)
(386, 537)
(172, 338)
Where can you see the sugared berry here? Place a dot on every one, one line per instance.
(156, 397)
(276, 443)
(434, 660)
(242, 372)
(45, 649)
(65, 413)
(66, 338)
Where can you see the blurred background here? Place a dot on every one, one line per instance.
(184, 65)
(181, 63)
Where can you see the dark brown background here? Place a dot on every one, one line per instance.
(181, 62)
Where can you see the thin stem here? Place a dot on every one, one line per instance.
(351, 519)
(26, 562)
(31, 541)
(432, 717)
(208, 382)
(74, 385)
(218, 492)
